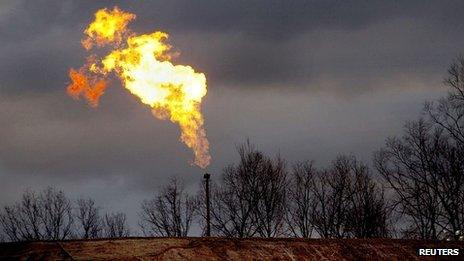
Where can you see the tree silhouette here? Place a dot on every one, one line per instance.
(170, 213)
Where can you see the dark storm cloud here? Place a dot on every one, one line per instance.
(308, 79)
(46, 135)
(259, 43)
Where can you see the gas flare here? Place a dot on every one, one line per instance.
(143, 64)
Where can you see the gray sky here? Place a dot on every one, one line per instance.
(306, 79)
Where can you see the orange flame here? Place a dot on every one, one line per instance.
(143, 64)
(92, 89)
(109, 26)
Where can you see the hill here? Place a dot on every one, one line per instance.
(223, 249)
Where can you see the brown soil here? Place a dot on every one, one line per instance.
(224, 249)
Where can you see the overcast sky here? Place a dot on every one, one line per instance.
(306, 79)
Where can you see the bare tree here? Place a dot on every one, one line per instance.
(235, 199)
(89, 220)
(332, 191)
(301, 201)
(116, 225)
(448, 112)
(402, 163)
(250, 199)
(447, 117)
(368, 215)
(170, 213)
(50, 215)
(37, 217)
(22, 221)
(56, 214)
(348, 203)
(270, 210)
(425, 169)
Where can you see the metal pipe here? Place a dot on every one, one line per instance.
(208, 220)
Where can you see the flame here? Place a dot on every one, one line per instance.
(109, 26)
(143, 64)
(92, 89)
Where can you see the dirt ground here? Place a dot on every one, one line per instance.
(224, 249)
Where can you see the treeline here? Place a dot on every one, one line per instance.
(414, 190)
(51, 215)
(260, 196)
(424, 168)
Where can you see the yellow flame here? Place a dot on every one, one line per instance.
(108, 27)
(143, 64)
